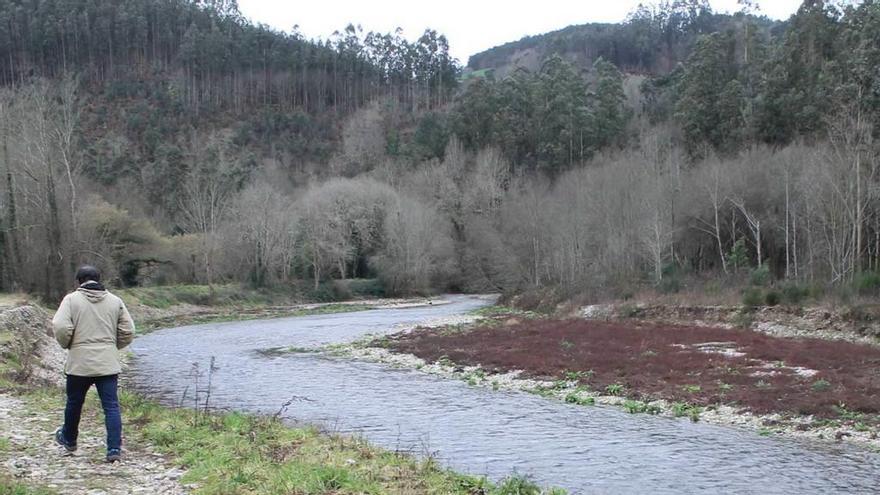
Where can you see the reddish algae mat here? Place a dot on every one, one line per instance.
(698, 365)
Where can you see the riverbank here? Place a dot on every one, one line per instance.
(154, 308)
(169, 450)
(811, 388)
(174, 451)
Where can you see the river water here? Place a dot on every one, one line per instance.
(476, 430)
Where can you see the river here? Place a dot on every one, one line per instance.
(477, 430)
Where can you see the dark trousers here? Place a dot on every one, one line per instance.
(77, 387)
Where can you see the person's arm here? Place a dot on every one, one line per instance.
(62, 324)
(124, 327)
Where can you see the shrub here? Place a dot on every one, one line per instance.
(772, 298)
(752, 297)
(738, 257)
(669, 285)
(760, 276)
(794, 294)
(366, 287)
(868, 283)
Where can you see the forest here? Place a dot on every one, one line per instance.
(174, 141)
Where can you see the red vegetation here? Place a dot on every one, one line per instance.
(759, 373)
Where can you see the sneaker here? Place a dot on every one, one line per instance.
(114, 455)
(60, 440)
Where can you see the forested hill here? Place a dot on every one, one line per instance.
(652, 40)
(154, 80)
(209, 56)
(173, 141)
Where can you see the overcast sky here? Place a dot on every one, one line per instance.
(470, 25)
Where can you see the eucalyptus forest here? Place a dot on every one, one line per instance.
(177, 142)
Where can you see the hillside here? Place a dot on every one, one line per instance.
(651, 41)
(174, 142)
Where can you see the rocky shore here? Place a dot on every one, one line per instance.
(29, 414)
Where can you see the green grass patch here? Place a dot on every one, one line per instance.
(637, 406)
(614, 389)
(237, 453)
(240, 453)
(201, 295)
(692, 389)
(232, 315)
(683, 409)
(493, 311)
(11, 487)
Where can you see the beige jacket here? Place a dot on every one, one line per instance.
(93, 325)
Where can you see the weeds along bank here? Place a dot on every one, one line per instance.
(169, 450)
(775, 383)
(178, 305)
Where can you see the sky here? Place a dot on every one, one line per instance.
(470, 25)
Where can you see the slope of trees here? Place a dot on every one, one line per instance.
(210, 57)
(653, 39)
(298, 163)
(548, 120)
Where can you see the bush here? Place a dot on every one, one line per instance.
(669, 285)
(366, 287)
(324, 293)
(738, 256)
(772, 298)
(868, 283)
(760, 276)
(794, 294)
(752, 297)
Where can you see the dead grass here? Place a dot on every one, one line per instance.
(13, 299)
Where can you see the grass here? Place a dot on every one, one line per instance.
(692, 389)
(13, 299)
(683, 409)
(237, 453)
(238, 295)
(574, 376)
(12, 487)
(164, 297)
(497, 310)
(614, 389)
(234, 315)
(577, 398)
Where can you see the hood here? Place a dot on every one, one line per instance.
(93, 291)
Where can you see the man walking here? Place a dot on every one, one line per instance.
(93, 325)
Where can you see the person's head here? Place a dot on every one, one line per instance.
(87, 273)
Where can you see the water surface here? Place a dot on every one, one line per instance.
(480, 431)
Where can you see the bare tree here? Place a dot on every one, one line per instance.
(417, 248)
(208, 191)
(712, 187)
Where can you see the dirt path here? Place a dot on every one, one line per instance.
(29, 454)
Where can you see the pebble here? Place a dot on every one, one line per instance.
(33, 458)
